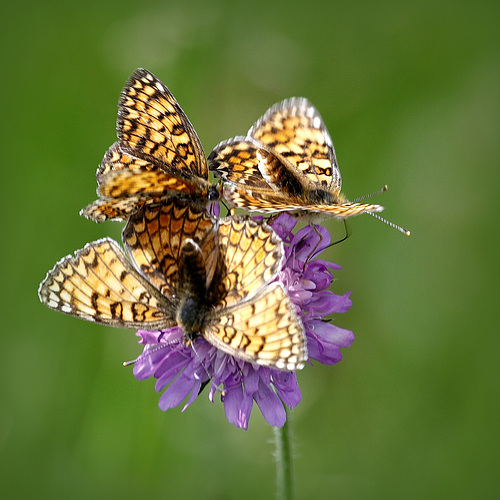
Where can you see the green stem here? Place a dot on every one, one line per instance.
(284, 465)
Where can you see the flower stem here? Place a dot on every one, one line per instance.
(284, 466)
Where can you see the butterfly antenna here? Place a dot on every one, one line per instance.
(347, 234)
(380, 191)
(395, 226)
(151, 351)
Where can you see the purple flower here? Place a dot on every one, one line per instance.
(182, 371)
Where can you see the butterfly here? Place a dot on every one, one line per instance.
(286, 162)
(158, 154)
(213, 278)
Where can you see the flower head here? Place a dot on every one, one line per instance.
(183, 369)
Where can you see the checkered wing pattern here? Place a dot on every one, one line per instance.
(99, 284)
(250, 257)
(153, 127)
(295, 130)
(263, 329)
(158, 153)
(123, 192)
(155, 237)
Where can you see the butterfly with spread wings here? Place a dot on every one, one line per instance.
(286, 162)
(213, 278)
(158, 154)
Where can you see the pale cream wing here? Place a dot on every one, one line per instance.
(264, 329)
(250, 256)
(99, 284)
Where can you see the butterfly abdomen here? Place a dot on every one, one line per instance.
(191, 316)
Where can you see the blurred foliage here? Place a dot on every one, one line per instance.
(410, 94)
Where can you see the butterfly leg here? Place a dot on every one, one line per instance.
(347, 234)
(311, 255)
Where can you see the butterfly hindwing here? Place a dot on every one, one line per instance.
(251, 256)
(263, 329)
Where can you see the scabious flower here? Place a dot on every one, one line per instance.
(182, 371)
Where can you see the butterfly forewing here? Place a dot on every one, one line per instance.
(152, 124)
(295, 130)
(263, 329)
(99, 284)
(251, 254)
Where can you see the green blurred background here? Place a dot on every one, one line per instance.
(410, 94)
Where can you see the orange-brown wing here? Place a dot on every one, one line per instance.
(155, 236)
(99, 284)
(248, 164)
(294, 130)
(120, 157)
(123, 192)
(117, 209)
(153, 127)
(123, 183)
(263, 329)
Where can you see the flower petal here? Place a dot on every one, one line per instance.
(270, 405)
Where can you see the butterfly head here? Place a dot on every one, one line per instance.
(214, 192)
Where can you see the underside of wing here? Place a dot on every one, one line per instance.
(294, 130)
(99, 284)
(250, 256)
(249, 164)
(154, 238)
(264, 329)
(236, 160)
(126, 190)
(119, 209)
(120, 157)
(154, 126)
(122, 183)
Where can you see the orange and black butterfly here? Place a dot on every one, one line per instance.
(214, 278)
(286, 162)
(158, 154)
